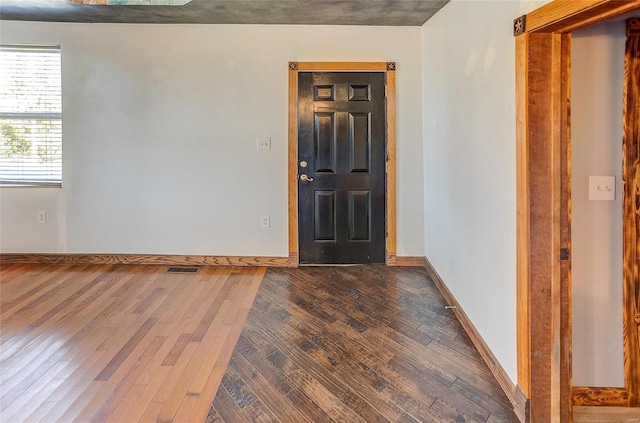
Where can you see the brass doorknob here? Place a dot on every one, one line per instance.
(306, 178)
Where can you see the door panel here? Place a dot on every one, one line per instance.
(359, 212)
(325, 216)
(359, 141)
(325, 141)
(341, 137)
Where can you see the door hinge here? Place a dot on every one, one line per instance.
(564, 254)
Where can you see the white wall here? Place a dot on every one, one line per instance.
(468, 53)
(160, 127)
(596, 142)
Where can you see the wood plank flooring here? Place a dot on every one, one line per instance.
(355, 344)
(114, 343)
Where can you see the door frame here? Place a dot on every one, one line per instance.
(543, 111)
(389, 68)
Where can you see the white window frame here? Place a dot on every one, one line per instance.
(22, 181)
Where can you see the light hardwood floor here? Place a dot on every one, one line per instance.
(117, 343)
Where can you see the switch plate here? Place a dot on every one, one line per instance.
(264, 143)
(602, 188)
(265, 221)
(41, 216)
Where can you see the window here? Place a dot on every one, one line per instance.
(30, 115)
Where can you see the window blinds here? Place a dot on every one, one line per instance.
(30, 115)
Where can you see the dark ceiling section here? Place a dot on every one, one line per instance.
(291, 12)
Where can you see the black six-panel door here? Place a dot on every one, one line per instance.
(341, 168)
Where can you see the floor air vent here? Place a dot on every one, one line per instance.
(183, 269)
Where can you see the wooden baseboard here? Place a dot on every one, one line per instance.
(392, 260)
(606, 415)
(487, 355)
(410, 261)
(144, 259)
(590, 396)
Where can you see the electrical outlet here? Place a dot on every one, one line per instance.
(265, 221)
(264, 143)
(42, 216)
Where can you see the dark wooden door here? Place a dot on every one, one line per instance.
(341, 168)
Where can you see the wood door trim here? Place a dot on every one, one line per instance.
(539, 151)
(565, 295)
(563, 16)
(341, 66)
(631, 206)
(542, 119)
(389, 69)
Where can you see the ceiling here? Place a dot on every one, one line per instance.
(292, 12)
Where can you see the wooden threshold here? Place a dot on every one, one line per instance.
(144, 259)
(605, 415)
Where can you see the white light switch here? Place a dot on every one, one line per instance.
(602, 188)
(265, 221)
(264, 143)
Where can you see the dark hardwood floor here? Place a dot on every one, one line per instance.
(355, 344)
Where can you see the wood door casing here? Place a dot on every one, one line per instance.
(341, 138)
(631, 206)
(539, 119)
(389, 69)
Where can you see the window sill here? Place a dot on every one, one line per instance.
(33, 185)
